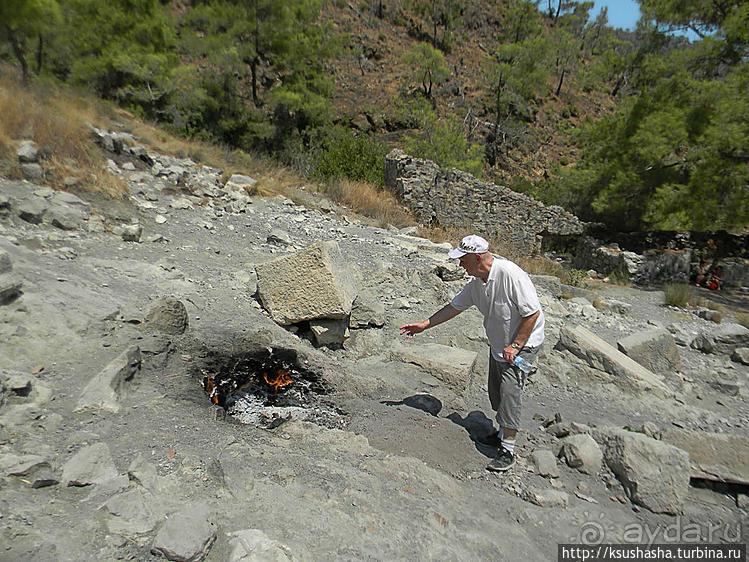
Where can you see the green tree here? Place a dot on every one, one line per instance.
(520, 21)
(274, 51)
(444, 14)
(428, 66)
(123, 49)
(444, 142)
(22, 21)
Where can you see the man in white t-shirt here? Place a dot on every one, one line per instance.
(514, 324)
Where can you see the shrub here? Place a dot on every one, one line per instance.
(680, 295)
(575, 276)
(343, 155)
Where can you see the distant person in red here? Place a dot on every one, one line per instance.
(715, 279)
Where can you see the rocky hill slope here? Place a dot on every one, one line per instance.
(122, 320)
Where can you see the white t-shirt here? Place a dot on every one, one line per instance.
(505, 299)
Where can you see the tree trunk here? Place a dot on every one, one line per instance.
(39, 54)
(561, 79)
(19, 54)
(253, 74)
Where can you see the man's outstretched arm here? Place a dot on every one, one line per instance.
(442, 315)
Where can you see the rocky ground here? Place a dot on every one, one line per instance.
(110, 447)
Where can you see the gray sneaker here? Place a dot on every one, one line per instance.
(503, 461)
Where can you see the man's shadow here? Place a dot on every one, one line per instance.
(480, 429)
(424, 402)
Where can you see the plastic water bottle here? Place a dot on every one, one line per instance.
(523, 365)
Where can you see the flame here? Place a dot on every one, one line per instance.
(281, 379)
(210, 388)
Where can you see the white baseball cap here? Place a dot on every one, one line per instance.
(471, 244)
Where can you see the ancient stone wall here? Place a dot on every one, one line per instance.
(453, 198)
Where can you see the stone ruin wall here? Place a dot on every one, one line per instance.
(453, 198)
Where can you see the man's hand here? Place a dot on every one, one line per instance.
(410, 330)
(509, 353)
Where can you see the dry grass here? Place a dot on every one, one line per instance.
(364, 198)
(56, 121)
(743, 318)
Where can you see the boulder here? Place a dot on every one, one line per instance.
(654, 474)
(32, 172)
(6, 264)
(103, 390)
(546, 498)
(186, 535)
(313, 283)
(724, 338)
(329, 332)
(239, 182)
(129, 513)
(451, 365)
(655, 350)
(32, 209)
(545, 463)
(582, 452)
(600, 355)
(547, 285)
(167, 315)
(27, 152)
(10, 288)
(714, 456)
(366, 312)
(90, 465)
(253, 544)
(741, 355)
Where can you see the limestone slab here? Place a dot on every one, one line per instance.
(600, 355)
(451, 365)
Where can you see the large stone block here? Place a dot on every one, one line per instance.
(654, 474)
(655, 350)
(722, 339)
(451, 365)
(600, 355)
(310, 284)
(713, 456)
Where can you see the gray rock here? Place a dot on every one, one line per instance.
(545, 463)
(44, 478)
(27, 152)
(144, 474)
(366, 311)
(310, 284)
(129, 513)
(715, 456)
(168, 315)
(740, 354)
(66, 217)
(451, 365)
(70, 200)
(279, 238)
(724, 338)
(449, 271)
(655, 350)
(90, 465)
(6, 264)
(21, 465)
(250, 545)
(131, 232)
(549, 285)
(583, 453)
(103, 391)
(600, 355)
(10, 288)
(239, 182)
(654, 474)
(32, 172)
(32, 209)
(546, 498)
(726, 386)
(187, 535)
(329, 332)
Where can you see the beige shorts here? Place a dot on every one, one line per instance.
(506, 384)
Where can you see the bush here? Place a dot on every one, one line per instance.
(680, 295)
(343, 155)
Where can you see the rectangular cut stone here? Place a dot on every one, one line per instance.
(451, 365)
(600, 355)
(310, 284)
(714, 456)
(655, 350)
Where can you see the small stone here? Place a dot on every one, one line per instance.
(45, 478)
